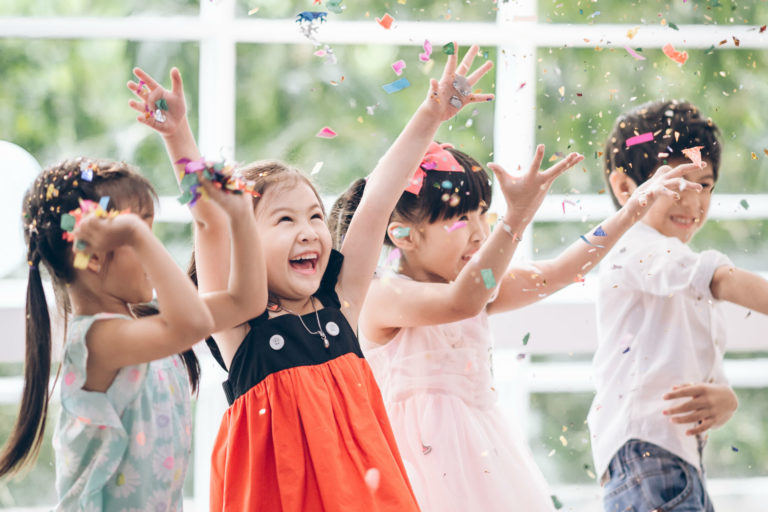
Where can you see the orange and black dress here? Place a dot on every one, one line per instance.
(306, 423)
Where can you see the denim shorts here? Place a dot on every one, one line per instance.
(646, 478)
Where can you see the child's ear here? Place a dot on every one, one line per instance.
(401, 235)
(94, 263)
(622, 186)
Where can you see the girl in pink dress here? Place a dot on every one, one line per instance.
(425, 328)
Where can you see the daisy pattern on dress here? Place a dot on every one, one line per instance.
(158, 502)
(141, 439)
(125, 481)
(163, 463)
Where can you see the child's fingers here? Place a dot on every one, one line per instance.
(680, 170)
(480, 72)
(177, 87)
(138, 106)
(702, 427)
(134, 87)
(538, 157)
(688, 390)
(682, 184)
(466, 62)
(562, 166)
(693, 417)
(144, 77)
(496, 168)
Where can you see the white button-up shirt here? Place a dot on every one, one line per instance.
(658, 326)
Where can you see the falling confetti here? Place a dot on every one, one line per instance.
(633, 53)
(639, 139)
(335, 6)
(590, 243)
(326, 133)
(397, 85)
(372, 479)
(556, 502)
(694, 154)
(456, 225)
(398, 67)
(424, 57)
(488, 278)
(679, 57)
(599, 231)
(385, 21)
(734, 449)
(526, 338)
(449, 49)
(316, 168)
(744, 204)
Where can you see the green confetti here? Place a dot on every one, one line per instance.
(488, 278)
(334, 6)
(449, 49)
(744, 204)
(526, 338)
(161, 104)
(401, 232)
(673, 26)
(67, 222)
(556, 502)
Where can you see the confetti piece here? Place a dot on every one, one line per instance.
(639, 139)
(104, 202)
(398, 67)
(401, 232)
(526, 338)
(449, 49)
(599, 231)
(335, 6)
(456, 225)
(424, 57)
(161, 104)
(81, 260)
(316, 168)
(734, 449)
(394, 255)
(744, 204)
(253, 11)
(754, 156)
(556, 502)
(397, 85)
(625, 350)
(67, 222)
(673, 26)
(590, 243)
(385, 21)
(425, 449)
(762, 29)
(326, 133)
(679, 57)
(631, 33)
(372, 479)
(488, 278)
(633, 53)
(693, 154)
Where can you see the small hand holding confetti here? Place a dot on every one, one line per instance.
(74, 218)
(160, 109)
(218, 173)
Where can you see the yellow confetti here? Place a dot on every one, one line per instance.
(564, 440)
(561, 90)
(631, 33)
(253, 11)
(401, 2)
(754, 156)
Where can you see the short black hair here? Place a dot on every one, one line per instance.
(675, 124)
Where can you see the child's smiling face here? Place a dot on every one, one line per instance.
(684, 217)
(295, 239)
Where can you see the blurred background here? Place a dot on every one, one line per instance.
(257, 87)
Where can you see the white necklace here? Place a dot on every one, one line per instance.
(274, 307)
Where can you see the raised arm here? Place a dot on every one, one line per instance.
(740, 287)
(364, 238)
(212, 243)
(183, 318)
(411, 303)
(525, 284)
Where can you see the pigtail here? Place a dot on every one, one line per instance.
(27, 434)
(343, 210)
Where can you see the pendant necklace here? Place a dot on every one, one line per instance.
(274, 307)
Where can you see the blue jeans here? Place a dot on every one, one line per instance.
(647, 478)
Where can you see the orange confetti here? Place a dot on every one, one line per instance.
(679, 57)
(694, 154)
(385, 21)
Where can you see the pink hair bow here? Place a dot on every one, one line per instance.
(436, 159)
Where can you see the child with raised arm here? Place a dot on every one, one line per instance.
(306, 428)
(123, 437)
(426, 327)
(660, 335)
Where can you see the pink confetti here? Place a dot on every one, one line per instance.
(633, 53)
(398, 67)
(679, 57)
(326, 133)
(639, 139)
(394, 255)
(424, 57)
(456, 225)
(694, 154)
(69, 379)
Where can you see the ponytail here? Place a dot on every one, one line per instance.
(27, 434)
(343, 210)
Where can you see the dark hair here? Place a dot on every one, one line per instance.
(675, 124)
(443, 195)
(58, 190)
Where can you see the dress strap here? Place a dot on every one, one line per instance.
(327, 291)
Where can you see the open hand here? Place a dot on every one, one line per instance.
(666, 181)
(710, 405)
(525, 191)
(454, 90)
(154, 98)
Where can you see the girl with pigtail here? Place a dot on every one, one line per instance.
(425, 327)
(306, 428)
(122, 440)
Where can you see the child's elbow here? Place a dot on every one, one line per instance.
(200, 324)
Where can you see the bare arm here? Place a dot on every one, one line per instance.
(740, 287)
(183, 318)
(362, 244)
(528, 283)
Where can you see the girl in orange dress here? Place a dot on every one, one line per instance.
(306, 429)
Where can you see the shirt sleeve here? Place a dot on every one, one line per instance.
(667, 266)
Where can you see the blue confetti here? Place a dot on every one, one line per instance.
(104, 202)
(590, 243)
(397, 85)
(599, 231)
(488, 278)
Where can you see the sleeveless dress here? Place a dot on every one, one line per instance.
(460, 452)
(127, 449)
(306, 429)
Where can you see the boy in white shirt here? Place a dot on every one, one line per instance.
(658, 368)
